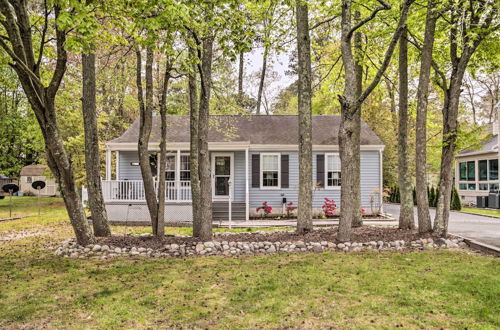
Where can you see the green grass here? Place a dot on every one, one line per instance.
(481, 211)
(366, 290)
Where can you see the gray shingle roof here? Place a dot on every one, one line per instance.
(257, 129)
(33, 170)
(487, 146)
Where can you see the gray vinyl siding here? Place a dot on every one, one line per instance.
(370, 179)
(127, 171)
(370, 183)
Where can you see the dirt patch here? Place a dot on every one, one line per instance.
(360, 235)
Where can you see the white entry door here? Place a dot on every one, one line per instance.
(222, 175)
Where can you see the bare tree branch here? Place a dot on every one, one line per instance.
(384, 6)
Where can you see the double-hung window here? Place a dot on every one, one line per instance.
(170, 168)
(185, 169)
(270, 170)
(332, 171)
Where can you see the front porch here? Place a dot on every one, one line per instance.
(125, 196)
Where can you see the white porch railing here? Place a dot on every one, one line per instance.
(133, 190)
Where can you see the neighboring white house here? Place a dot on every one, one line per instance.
(32, 173)
(476, 171)
(254, 159)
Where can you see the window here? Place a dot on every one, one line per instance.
(483, 170)
(185, 170)
(270, 169)
(463, 171)
(483, 186)
(467, 171)
(493, 186)
(462, 186)
(170, 168)
(333, 175)
(471, 171)
(493, 169)
(471, 186)
(29, 179)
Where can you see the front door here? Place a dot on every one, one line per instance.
(222, 174)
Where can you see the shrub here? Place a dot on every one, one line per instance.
(266, 209)
(329, 207)
(289, 209)
(456, 204)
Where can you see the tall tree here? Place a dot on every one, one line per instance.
(92, 157)
(145, 127)
(470, 24)
(193, 145)
(350, 125)
(406, 220)
(304, 219)
(26, 62)
(424, 218)
(160, 226)
(205, 72)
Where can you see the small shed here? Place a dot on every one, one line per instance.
(32, 173)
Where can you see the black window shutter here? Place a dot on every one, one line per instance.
(255, 171)
(284, 171)
(320, 170)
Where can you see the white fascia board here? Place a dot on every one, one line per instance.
(231, 146)
(292, 147)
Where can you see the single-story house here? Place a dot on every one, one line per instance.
(254, 159)
(32, 173)
(477, 169)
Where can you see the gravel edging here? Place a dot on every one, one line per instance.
(227, 247)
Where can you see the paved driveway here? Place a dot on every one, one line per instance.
(479, 228)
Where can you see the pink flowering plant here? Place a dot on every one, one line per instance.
(289, 209)
(265, 208)
(329, 207)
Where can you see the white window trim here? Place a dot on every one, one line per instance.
(261, 171)
(177, 170)
(327, 187)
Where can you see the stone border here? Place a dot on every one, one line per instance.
(479, 246)
(70, 249)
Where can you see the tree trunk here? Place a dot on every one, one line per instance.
(145, 126)
(204, 155)
(262, 78)
(450, 131)
(357, 220)
(350, 123)
(240, 78)
(304, 219)
(193, 148)
(406, 220)
(424, 218)
(41, 99)
(160, 230)
(92, 159)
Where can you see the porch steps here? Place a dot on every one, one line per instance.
(221, 211)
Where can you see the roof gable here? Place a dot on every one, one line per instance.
(256, 129)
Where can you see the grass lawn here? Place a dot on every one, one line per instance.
(481, 211)
(366, 290)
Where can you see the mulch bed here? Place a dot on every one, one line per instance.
(360, 235)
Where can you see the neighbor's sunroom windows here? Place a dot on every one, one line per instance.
(270, 170)
(333, 175)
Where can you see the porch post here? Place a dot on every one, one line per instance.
(381, 182)
(117, 165)
(178, 174)
(247, 197)
(108, 164)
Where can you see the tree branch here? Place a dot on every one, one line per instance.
(388, 55)
(384, 6)
(62, 58)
